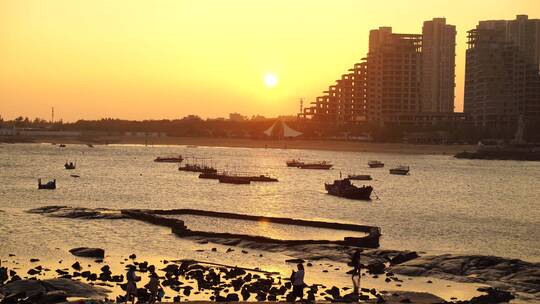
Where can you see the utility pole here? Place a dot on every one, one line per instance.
(52, 115)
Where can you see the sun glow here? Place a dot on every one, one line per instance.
(270, 80)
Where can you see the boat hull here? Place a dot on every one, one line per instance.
(363, 193)
(234, 180)
(316, 166)
(399, 172)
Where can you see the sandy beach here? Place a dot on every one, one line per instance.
(327, 145)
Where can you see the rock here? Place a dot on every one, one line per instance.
(297, 261)
(88, 252)
(232, 297)
(55, 296)
(71, 288)
(3, 275)
(33, 271)
(76, 266)
(403, 257)
(376, 268)
(493, 296)
(33, 260)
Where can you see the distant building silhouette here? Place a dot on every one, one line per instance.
(405, 79)
(438, 66)
(502, 79)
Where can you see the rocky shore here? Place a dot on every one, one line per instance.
(195, 280)
(503, 279)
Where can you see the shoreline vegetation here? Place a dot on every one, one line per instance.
(301, 144)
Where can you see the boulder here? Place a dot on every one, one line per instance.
(403, 257)
(39, 288)
(376, 268)
(88, 252)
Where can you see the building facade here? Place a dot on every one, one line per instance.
(399, 76)
(438, 66)
(502, 78)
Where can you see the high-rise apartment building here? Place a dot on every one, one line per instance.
(438, 66)
(502, 79)
(403, 75)
(393, 74)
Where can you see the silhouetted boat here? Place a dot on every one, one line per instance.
(344, 188)
(359, 177)
(69, 166)
(197, 168)
(375, 164)
(294, 163)
(233, 180)
(75, 175)
(317, 166)
(61, 146)
(210, 175)
(251, 178)
(400, 170)
(90, 145)
(50, 185)
(169, 159)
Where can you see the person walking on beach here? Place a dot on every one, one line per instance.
(298, 283)
(131, 286)
(154, 287)
(355, 263)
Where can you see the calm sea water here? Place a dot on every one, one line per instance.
(445, 205)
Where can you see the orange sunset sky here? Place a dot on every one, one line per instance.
(170, 58)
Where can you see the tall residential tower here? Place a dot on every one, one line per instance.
(438, 66)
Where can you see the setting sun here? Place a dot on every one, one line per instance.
(270, 80)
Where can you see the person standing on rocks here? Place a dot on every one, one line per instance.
(355, 263)
(154, 287)
(131, 286)
(298, 283)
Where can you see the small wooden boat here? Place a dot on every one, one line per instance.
(169, 159)
(316, 166)
(69, 166)
(294, 163)
(400, 170)
(359, 177)
(50, 185)
(344, 188)
(375, 164)
(229, 179)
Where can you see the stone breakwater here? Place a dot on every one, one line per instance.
(179, 228)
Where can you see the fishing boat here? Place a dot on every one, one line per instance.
(50, 185)
(400, 170)
(169, 159)
(90, 145)
(294, 163)
(375, 164)
(344, 188)
(251, 178)
(210, 175)
(316, 166)
(230, 179)
(61, 146)
(359, 177)
(197, 168)
(69, 166)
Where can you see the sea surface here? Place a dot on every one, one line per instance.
(445, 205)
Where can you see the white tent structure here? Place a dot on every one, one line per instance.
(281, 130)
